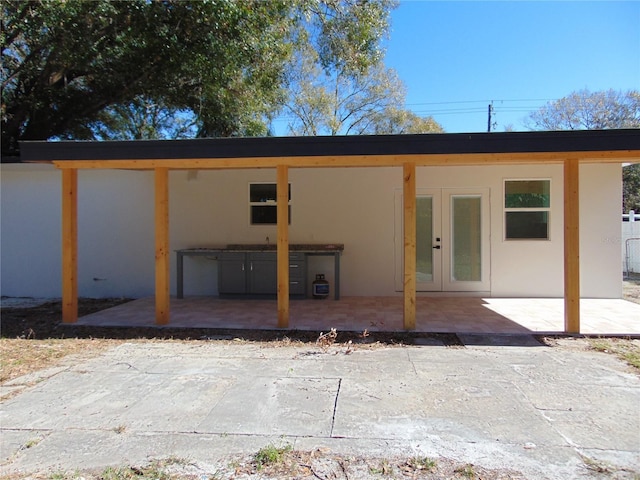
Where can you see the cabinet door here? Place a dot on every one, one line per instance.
(297, 274)
(232, 273)
(263, 273)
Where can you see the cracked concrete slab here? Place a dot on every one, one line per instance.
(539, 410)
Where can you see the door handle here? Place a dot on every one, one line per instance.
(437, 247)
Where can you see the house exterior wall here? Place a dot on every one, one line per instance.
(115, 225)
(354, 206)
(601, 202)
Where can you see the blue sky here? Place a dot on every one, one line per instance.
(457, 57)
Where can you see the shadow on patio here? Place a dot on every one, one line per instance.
(459, 315)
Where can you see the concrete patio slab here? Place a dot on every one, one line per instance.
(540, 410)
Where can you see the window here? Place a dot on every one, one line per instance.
(262, 204)
(526, 209)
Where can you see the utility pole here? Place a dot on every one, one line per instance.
(490, 111)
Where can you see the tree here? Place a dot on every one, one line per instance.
(607, 109)
(397, 120)
(142, 119)
(584, 110)
(72, 68)
(336, 100)
(631, 188)
(65, 62)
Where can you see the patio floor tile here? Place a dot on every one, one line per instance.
(433, 314)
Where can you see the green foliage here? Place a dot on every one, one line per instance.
(338, 84)
(585, 110)
(107, 69)
(625, 349)
(527, 200)
(338, 103)
(270, 455)
(631, 188)
(397, 120)
(466, 471)
(422, 463)
(346, 34)
(66, 62)
(143, 119)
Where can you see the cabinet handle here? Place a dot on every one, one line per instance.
(294, 283)
(293, 266)
(243, 267)
(251, 264)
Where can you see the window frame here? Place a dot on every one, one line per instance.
(270, 203)
(507, 210)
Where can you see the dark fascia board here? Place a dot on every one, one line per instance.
(254, 147)
(9, 159)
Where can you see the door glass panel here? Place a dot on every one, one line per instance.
(424, 238)
(466, 239)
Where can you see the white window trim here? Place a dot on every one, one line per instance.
(525, 209)
(271, 203)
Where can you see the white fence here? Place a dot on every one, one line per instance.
(631, 244)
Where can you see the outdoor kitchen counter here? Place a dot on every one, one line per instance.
(310, 249)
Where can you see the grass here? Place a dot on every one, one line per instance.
(271, 455)
(155, 471)
(422, 463)
(466, 471)
(20, 356)
(625, 349)
(32, 443)
(597, 466)
(285, 463)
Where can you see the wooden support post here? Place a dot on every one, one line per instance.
(283, 245)
(571, 246)
(409, 195)
(69, 245)
(162, 245)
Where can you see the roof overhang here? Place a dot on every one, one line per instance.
(598, 146)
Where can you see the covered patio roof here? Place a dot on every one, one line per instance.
(333, 151)
(570, 148)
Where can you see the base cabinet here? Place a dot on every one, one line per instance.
(231, 274)
(256, 274)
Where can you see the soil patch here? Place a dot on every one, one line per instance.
(631, 289)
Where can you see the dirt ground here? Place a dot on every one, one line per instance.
(631, 289)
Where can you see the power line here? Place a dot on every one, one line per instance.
(483, 101)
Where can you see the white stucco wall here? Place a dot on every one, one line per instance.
(115, 232)
(351, 206)
(600, 203)
(30, 231)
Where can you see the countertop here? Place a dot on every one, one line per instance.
(271, 247)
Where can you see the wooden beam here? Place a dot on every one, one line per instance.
(162, 245)
(409, 196)
(459, 159)
(282, 195)
(69, 246)
(571, 246)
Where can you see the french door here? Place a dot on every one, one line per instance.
(452, 240)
